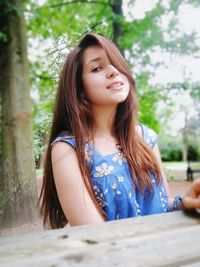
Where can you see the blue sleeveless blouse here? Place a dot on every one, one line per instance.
(113, 185)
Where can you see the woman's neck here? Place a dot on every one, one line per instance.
(103, 121)
(104, 138)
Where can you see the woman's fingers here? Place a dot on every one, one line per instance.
(192, 198)
(190, 202)
(195, 187)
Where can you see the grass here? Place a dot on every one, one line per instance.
(181, 164)
(195, 165)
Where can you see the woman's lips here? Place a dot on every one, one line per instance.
(115, 85)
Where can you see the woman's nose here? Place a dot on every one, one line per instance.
(112, 72)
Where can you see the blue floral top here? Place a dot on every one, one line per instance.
(113, 184)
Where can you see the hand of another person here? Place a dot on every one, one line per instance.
(192, 197)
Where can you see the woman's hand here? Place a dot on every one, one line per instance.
(192, 197)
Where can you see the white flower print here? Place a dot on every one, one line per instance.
(138, 210)
(114, 186)
(100, 197)
(163, 199)
(88, 153)
(119, 157)
(120, 179)
(96, 190)
(105, 191)
(103, 170)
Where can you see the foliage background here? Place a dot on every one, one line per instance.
(55, 26)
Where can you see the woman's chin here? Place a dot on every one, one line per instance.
(120, 98)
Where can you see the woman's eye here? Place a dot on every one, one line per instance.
(97, 69)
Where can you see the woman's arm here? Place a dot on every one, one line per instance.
(74, 198)
(192, 198)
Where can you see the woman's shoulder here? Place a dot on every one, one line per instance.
(65, 137)
(148, 134)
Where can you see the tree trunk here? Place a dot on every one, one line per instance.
(184, 152)
(18, 202)
(185, 139)
(117, 27)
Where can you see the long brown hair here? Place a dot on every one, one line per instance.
(72, 113)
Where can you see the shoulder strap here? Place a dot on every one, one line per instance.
(65, 137)
(148, 135)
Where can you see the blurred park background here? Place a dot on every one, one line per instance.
(160, 40)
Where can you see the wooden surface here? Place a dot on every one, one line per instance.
(167, 240)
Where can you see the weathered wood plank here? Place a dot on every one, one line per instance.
(160, 240)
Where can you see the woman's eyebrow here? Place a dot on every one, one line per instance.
(94, 60)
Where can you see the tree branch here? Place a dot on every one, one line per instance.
(78, 1)
(92, 27)
(42, 77)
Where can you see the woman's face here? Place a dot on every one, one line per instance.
(104, 85)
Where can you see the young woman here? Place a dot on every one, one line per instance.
(101, 164)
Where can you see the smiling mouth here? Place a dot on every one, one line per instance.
(115, 85)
